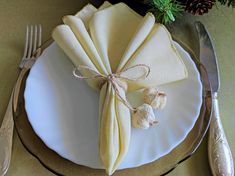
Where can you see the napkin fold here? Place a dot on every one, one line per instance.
(111, 40)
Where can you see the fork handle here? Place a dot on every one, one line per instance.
(220, 156)
(17, 88)
(6, 135)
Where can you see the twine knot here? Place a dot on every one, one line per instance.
(112, 78)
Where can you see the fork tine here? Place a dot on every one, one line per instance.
(26, 42)
(39, 35)
(33, 41)
(30, 43)
(35, 38)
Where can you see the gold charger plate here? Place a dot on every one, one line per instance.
(61, 166)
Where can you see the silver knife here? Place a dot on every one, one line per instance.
(219, 153)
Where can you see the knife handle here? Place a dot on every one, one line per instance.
(219, 153)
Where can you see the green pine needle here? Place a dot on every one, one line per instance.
(165, 11)
(228, 3)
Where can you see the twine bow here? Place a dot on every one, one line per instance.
(113, 78)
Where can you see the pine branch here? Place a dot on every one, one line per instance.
(228, 3)
(165, 11)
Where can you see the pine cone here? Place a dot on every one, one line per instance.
(197, 7)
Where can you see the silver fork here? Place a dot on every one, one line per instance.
(31, 51)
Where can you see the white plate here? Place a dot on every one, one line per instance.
(63, 111)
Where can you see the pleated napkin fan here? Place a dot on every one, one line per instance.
(116, 38)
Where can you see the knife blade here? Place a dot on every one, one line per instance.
(219, 153)
(208, 57)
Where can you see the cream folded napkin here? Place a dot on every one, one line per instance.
(111, 40)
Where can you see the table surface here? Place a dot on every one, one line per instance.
(15, 15)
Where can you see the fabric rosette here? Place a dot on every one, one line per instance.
(113, 43)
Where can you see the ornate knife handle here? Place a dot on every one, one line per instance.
(220, 156)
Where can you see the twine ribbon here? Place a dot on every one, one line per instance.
(113, 78)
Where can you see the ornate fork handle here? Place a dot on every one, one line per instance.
(6, 134)
(6, 130)
(220, 156)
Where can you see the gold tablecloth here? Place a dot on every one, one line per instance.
(15, 15)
